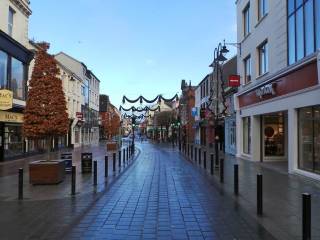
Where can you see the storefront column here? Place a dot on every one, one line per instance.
(292, 140)
(239, 135)
(256, 138)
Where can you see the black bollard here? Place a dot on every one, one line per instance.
(236, 179)
(221, 170)
(205, 159)
(200, 156)
(179, 145)
(20, 185)
(259, 195)
(217, 155)
(124, 157)
(195, 154)
(95, 173)
(127, 154)
(119, 159)
(73, 180)
(191, 152)
(188, 150)
(211, 163)
(106, 166)
(306, 216)
(114, 162)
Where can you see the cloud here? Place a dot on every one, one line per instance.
(150, 62)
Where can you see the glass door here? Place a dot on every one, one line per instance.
(274, 136)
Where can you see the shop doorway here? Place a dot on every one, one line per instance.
(274, 137)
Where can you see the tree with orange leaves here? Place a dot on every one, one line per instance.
(45, 115)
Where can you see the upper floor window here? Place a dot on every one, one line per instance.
(262, 8)
(17, 79)
(303, 28)
(246, 20)
(247, 69)
(263, 58)
(3, 69)
(10, 21)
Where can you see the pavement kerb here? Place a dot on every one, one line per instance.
(99, 195)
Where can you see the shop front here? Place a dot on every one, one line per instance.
(279, 119)
(12, 144)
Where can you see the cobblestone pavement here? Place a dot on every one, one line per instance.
(163, 196)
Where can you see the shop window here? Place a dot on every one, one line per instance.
(246, 135)
(13, 142)
(309, 139)
(17, 79)
(3, 69)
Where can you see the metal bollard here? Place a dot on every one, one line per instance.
(259, 195)
(200, 156)
(195, 154)
(179, 145)
(119, 159)
(188, 150)
(73, 180)
(191, 152)
(205, 159)
(211, 163)
(127, 154)
(95, 173)
(236, 179)
(20, 184)
(221, 170)
(114, 162)
(216, 156)
(124, 157)
(306, 216)
(106, 166)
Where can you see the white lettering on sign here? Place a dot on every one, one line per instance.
(268, 89)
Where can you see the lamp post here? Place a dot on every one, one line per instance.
(219, 58)
(133, 121)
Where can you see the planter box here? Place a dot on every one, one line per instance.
(47, 172)
(112, 146)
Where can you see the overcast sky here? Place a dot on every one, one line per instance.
(137, 46)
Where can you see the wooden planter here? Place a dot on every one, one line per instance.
(47, 172)
(112, 146)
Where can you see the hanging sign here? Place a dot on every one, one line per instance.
(234, 81)
(6, 97)
(194, 112)
(79, 115)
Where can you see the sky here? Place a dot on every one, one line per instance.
(137, 47)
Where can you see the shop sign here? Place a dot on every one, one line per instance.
(79, 115)
(11, 117)
(268, 89)
(6, 97)
(234, 80)
(194, 112)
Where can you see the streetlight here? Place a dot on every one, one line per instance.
(219, 58)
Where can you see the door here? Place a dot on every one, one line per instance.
(274, 137)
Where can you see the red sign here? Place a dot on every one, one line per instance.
(234, 81)
(79, 115)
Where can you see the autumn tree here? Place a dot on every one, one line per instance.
(113, 125)
(45, 115)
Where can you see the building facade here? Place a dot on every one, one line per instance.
(85, 125)
(278, 103)
(14, 61)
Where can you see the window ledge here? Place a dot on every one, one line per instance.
(262, 75)
(260, 20)
(245, 37)
(246, 84)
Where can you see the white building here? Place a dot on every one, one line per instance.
(278, 103)
(85, 125)
(14, 62)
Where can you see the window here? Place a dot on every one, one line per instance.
(17, 79)
(263, 58)
(246, 135)
(262, 8)
(246, 20)
(247, 69)
(3, 69)
(303, 28)
(309, 138)
(10, 21)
